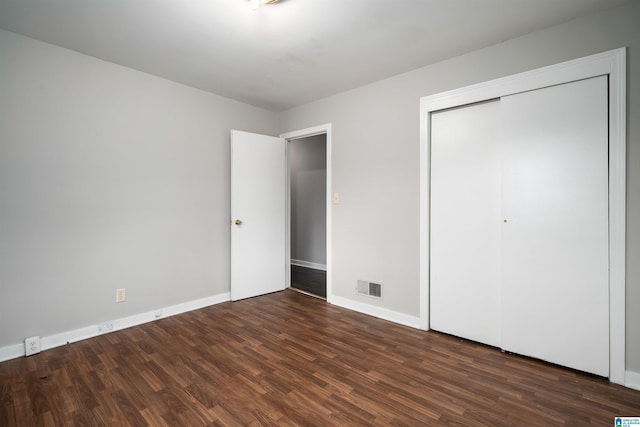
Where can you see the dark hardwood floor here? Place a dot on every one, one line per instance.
(289, 359)
(309, 280)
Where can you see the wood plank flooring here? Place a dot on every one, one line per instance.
(309, 280)
(288, 359)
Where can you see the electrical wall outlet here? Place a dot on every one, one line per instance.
(121, 295)
(32, 346)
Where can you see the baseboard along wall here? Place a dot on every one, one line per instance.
(309, 264)
(632, 379)
(18, 350)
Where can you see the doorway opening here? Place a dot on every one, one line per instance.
(307, 173)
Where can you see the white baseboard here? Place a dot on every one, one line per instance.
(632, 380)
(17, 350)
(309, 264)
(375, 311)
(11, 351)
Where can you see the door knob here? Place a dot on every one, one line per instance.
(238, 222)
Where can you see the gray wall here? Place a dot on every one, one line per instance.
(308, 178)
(375, 143)
(108, 178)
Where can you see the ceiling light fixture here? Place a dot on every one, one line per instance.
(257, 3)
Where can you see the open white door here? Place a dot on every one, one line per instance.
(258, 208)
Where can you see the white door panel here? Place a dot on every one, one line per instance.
(555, 241)
(258, 190)
(465, 222)
(519, 224)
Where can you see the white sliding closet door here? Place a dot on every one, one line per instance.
(555, 242)
(465, 222)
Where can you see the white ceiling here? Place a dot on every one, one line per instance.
(285, 54)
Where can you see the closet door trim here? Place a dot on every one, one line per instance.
(611, 64)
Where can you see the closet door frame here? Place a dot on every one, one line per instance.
(611, 64)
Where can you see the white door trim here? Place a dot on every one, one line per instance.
(304, 133)
(611, 64)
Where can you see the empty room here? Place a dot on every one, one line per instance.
(319, 212)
